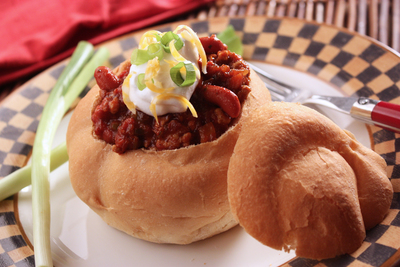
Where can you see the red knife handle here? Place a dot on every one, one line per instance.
(385, 113)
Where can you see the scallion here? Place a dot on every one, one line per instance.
(158, 37)
(229, 37)
(139, 56)
(177, 78)
(155, 50)
(140, 81)
(168, 37)
(59, 100)
(85, 76)
(15, 181)
(52, 114)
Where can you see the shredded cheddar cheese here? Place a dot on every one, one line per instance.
(125, 94)
(165, 96)
(156, 89)
(153, 67)
(192, 36)
(147, 39)
(158, 69)
(128, 102)
(178, 57)
(126, 81)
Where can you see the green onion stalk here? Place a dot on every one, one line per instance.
(51, 117)
(15, 181)
(60, 98)
(233, 41)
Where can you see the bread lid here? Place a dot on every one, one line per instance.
(293, 182)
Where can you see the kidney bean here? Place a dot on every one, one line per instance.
(212, 45)
(224, 98)
(106, 79)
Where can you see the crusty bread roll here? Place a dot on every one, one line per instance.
(300, 182)
(172, 196)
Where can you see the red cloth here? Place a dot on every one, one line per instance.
(35, 34)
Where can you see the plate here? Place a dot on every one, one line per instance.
(321, 57)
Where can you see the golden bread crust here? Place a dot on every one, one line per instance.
(303, 183)
(172, 196)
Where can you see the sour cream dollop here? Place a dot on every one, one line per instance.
(161, 95)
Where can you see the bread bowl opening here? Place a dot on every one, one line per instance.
(217, 100)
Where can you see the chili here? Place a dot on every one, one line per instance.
(114, 123)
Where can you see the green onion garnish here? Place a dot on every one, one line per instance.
(168, 37)
(140, 82)
(229, 37)
(158, 37)
(139, 57)
(155, 50)
(177, 77)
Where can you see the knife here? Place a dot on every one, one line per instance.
(370, 111)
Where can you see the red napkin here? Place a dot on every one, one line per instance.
(35, 34)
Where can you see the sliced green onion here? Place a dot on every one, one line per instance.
(178, 44)
(168, 37)
(139, 57)
(140, 82)
(158, 37)
(177, 78)
(229, 37)
(155, 50)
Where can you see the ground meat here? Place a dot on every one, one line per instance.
(114, 123)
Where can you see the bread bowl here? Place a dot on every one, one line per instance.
(180, 195)
(171, 196)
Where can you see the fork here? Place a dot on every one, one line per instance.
(370, 111)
